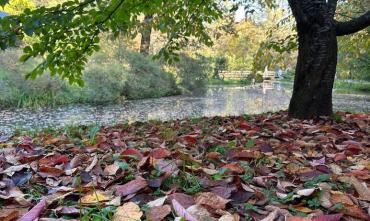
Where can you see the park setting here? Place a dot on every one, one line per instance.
(186, 110)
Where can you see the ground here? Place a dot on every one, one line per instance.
(262, 167)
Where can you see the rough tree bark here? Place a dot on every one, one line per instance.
(146, 36)
(317, 55)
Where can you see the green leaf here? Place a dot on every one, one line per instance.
(3, 2)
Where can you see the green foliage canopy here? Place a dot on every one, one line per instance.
(70, 32)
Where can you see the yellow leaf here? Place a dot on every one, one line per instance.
(94, 197)
(128, 212)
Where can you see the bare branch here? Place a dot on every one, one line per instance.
(354, 25)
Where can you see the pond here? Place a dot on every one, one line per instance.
(218, 101)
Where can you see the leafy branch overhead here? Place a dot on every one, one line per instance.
(68, 34)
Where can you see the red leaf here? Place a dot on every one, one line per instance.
(131, 187)
(132, 154)
(245, 126)
(160, 153)
(340, 157)
(34, 212)
(190, 138)
(46, 171)
(54, 160)
(353, 149)
(234, 167)
(214, 155)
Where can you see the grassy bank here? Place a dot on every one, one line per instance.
(349, 87)
(213, 81)
(109, 77)
(343, 86)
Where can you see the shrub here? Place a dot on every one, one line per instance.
(146, 79)
(192, 74)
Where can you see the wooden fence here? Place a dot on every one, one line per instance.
(239, 75)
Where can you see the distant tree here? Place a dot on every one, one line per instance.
(146, 35)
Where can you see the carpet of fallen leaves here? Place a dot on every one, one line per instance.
(263, 167)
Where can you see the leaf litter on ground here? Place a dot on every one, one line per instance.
(262, 167)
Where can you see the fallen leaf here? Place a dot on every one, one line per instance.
(181, 211)
(131, 187)
(272, 216)
(92, 164)
(11, 170)
(211, 199)
(200, 213)
(128, 212)
(332, 217)
(234, 167)
(158, 202)
(132, 153)
(111, 170)
(46, 171)
(10, 216)
(354, 211)
(94, 197)
(160, 153)
(158, 213)
(35, 212)
(228, 217)
(297, 218)
(306, 192)
(54, 160)
(183, 199)
(361, 188)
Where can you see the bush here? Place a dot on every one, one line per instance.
(192, 74)
(146, 79)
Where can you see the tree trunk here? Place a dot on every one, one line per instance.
(316, 67)
(146, 36)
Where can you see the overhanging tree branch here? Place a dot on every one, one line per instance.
(354, 25)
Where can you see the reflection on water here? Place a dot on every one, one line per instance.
(220, 101)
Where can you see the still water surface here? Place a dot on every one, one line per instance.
(218, 101)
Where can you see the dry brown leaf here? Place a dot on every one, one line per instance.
(361, 188)
(338, 197)
(200, 213)
(212, 200)
(111, 170)
(158, 213)
(128, 212)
